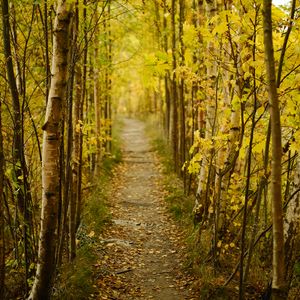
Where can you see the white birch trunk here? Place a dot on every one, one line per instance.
(292, 218)
(50, 157)
(211, 72)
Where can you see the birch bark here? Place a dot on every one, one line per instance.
(50, 159)
(202, 196)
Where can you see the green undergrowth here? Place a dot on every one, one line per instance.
(77, 280)
(179, 203)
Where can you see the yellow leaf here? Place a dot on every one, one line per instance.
(235, 207)
(91, 234)
(78, 127)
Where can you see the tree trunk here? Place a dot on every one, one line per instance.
(174, 94)
(81, 97)
(182, 139)
(108, 83)
(97, 102)
(20, 169)
(202, 195)
(17, 142)
(72, 201)
(167, 124)
(292, 224)
(278, 282)
(292, 217)
(50, 166)
(2, 242)
(47, 60)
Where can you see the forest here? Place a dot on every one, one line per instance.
(216, 82)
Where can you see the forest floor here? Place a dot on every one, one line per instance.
(142, 250)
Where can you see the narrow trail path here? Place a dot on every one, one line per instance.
(143, 253)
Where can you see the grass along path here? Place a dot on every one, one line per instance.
(142, 253)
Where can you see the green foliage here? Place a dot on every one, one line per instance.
(76, 279)
(164, 151)
(297, 269)
(179, 203)
(96, 213)
(116, 155)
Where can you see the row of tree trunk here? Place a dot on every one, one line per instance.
(215, 116)
(73, 95)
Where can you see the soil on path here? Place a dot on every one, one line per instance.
(143, 253)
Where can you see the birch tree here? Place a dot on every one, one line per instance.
(278, 281)
(50, 156)
(202, 194)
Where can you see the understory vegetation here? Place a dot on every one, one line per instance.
(77, 280)
(213, 281)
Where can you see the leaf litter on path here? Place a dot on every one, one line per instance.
(142, 252)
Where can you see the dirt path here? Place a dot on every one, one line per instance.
(142, 249)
